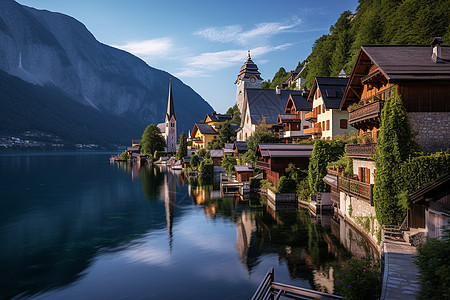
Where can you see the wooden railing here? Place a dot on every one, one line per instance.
(355, 188)
(263, 165)
(270, 290)
(311, 116)
(312, 130)
(361, 150)
(369, 107)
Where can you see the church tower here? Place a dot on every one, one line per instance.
(170, 133)
(248, 77)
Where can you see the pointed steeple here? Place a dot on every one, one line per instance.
(170, 108)
(249, 69)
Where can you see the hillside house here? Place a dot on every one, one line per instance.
(202, 135)
(326, 117)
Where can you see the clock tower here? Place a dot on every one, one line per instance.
(248, 77)
(170, 133)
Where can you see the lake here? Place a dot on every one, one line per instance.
(74, 226)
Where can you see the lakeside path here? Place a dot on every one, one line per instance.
(401, 276)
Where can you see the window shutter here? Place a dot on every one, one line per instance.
(367, 176)
(328, 124)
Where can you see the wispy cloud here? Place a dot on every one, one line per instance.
(149, 48)
(235, 33)
(203, 64)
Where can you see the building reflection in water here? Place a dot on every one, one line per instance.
(169, 191)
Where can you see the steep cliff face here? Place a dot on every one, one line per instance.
(48, 48)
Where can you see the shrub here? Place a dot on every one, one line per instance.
(228, 163)
(303, 190)
(206, 168)
(195, 161)
(434, 268)
(201, 152)
(358, 280)
(266, 184)
(286, 185)
(124, 155)
(345, 163)
(295, 173)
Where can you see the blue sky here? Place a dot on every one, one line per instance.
(204, 43)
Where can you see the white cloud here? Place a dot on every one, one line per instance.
(205, 63)
(235, 33)
(149, 48)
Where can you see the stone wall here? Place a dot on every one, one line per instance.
(432, 130)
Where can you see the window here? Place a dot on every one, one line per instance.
(323, 125)
(328, 124)
(343, 123)
(364, 174)
(305, 127)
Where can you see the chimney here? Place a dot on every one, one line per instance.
(437, 55)
(278, 90)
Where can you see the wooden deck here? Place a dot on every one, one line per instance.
(271, 290)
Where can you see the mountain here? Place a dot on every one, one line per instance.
(377, 22)
(64, 61)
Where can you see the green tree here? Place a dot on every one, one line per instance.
(201, 152)
(234, 111)
(226, 135)
(228, 163)
(248, 157)
(206, 168)
(278, 79)
(263, 134)
(152, 140)
(323, 153)
(195, 161)
(182, 149)
(124, 155)
(394, 147)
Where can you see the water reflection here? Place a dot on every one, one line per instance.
(131, 231)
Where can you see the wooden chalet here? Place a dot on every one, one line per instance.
(421, 75)
(228, 149)
(430, 207)
(186, 161)
(240, 147)
(216, 156)
(291, 124)
(273, 159)
(243, 173)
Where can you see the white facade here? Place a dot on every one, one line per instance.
(170, 134)
(247, 128)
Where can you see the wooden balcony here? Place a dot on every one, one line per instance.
(355, 188)
(263, 165)
(361, 150)
(368, 108)
(311, 116)
(313, 130)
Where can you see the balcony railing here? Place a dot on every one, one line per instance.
(369, 107)
(361, 150)
(311, 116)
(263, 165)
(312, 130)
(291, 133)
(355, 188)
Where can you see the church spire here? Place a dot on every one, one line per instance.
(170, 108)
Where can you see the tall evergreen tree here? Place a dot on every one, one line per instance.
(395, 145)
(182, 149)
(152, 140)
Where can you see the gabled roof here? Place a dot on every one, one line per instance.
(216, 153)
(136, 141)
(332, 90)
(243, 168)
(206, 128)
(396, 64)
(266, 103)
(215, 117)
(240, 146)
(284, 150)
(300, 101)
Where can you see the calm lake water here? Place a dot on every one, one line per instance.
(74, 226)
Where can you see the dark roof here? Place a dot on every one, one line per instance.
(234, 127)
(133, 148)
(187, 159)
(215, 117)
(249, 69)
(241, 146)
(332, 90)
(206, 128)
(170, 107)
(285, 150)
(228, 146)
(301, 101)
(267, 103)
(409, 62)
(216, 153)
(433, 191)
(136, 141)
(243, 169)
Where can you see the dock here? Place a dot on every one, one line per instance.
(230, 186)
